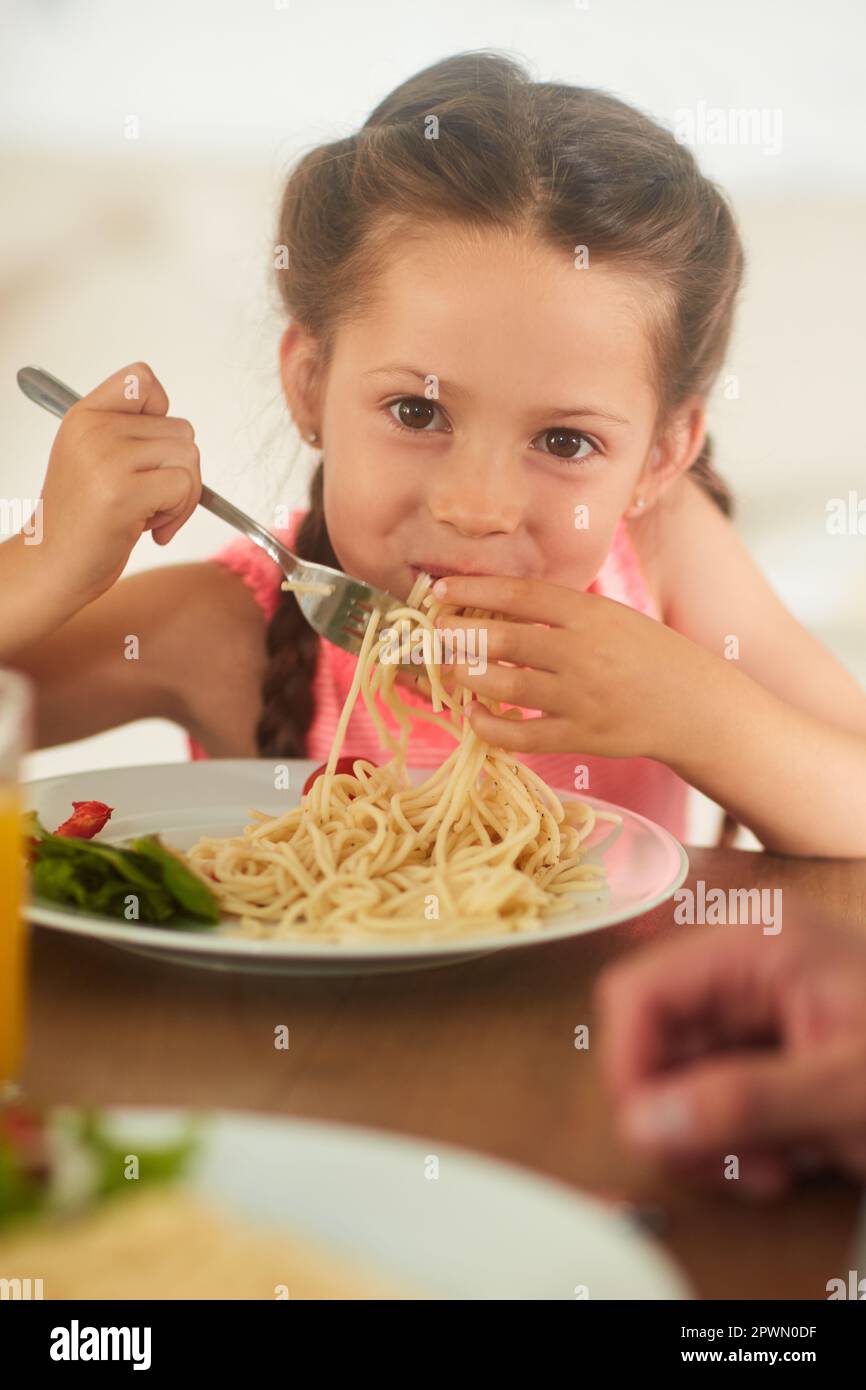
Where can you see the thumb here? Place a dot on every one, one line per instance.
(749, 1098)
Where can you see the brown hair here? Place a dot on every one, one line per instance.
(568, 164)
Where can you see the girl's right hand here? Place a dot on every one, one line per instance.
(120, 465)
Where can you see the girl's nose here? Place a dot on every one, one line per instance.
(478, 499)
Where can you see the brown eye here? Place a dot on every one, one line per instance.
(564, 444)
(414, 412)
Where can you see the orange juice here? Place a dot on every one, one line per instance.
(12, 938)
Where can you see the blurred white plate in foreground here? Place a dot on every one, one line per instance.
(481, 1229)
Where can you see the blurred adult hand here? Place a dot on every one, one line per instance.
(727, 1042)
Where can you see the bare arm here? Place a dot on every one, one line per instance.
(185, 642)
(777, 735)
(31, 606)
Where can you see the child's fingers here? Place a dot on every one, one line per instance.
(513, 685)
(543, 734)
(145, 427)
(135, 389)
(405, 676)
(532, 600)
(160, 456)
(167, 526)
(521, 643)
(163, 528)
(414, 678)
(163, 496)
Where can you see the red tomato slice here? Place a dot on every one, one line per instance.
(342, 765)
(87, 819)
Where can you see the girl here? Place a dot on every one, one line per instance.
(507, 304)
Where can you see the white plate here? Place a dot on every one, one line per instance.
(182, 801)
(481, 1229)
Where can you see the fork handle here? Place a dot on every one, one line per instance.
(227, 511)
(56, 397)
(46, 390)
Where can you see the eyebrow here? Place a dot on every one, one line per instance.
(563, 412)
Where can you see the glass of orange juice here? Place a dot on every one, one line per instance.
(15, 714)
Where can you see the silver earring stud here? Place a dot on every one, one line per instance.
(313, 437)
(641, 502)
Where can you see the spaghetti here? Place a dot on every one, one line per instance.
(482, 846)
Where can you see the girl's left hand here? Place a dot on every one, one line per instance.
(607, 679)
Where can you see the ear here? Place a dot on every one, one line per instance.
(674, 451)
(300, 378)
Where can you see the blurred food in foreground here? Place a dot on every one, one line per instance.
(86, 1216)
(166, 1243)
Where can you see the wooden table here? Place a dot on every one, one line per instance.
(479, 1054)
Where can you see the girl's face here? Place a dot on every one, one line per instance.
(492, 414)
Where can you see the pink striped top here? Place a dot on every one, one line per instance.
(641, 784)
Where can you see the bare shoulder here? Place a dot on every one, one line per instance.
(656, 539)
(685, 535)
(709, 584)
(712, 590)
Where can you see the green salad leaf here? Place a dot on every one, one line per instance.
(185, 886)
(102, 878)
(62, 1162)
(162, 1163)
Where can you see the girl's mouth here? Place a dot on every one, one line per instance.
(439, 571)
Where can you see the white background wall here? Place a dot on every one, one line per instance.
(159, 248)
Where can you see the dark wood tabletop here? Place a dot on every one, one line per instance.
(479, 1054)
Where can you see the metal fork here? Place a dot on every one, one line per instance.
(341, 615)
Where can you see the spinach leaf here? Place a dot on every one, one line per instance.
(185, 886)
(101, 878)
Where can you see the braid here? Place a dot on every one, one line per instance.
(292, 647)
